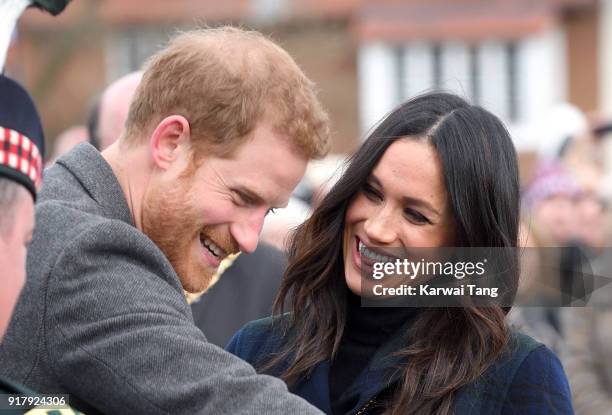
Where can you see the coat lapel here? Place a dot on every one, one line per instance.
(315, 388)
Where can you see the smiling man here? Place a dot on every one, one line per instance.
(219, 133)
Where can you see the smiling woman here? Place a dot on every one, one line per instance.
(436, 172)
(403, 204)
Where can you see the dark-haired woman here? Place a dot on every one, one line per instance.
(436, 172)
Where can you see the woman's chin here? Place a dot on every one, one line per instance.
(354, 283)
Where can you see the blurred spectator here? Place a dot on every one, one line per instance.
(21, 138)
(537, 322)
(588, 354)
(548, 232)
(16, 226)
(66, 141)
(549, 205)
(21, 163)
(109, 112)
(591, 208)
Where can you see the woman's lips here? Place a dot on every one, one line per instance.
(362, 263)
(356, 254)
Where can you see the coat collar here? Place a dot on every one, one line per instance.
(382, 371)
(98, 179)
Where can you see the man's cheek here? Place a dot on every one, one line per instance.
(221, 213)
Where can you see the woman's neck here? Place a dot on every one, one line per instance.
(374, 325)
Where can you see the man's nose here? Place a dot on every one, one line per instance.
(246, 232)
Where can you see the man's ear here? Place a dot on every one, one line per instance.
(170, 136)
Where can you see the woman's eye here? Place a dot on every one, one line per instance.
(415, 216)
(271, 210)
(371, 193)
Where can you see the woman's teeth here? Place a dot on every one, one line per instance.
(212, 247)
(374, 256)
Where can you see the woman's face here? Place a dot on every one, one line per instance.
(404, 204)
(555, 220)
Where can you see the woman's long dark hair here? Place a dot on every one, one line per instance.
(451, 346)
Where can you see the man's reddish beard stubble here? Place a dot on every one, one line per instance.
(171, 221)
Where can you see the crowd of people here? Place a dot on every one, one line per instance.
(144, 258)
(566, 259)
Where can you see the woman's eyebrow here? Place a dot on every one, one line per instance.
(375, 180)
(413, 201)
(407, 200)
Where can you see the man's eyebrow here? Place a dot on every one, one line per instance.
(249, 196)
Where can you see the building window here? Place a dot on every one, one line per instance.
(436, 51)
(129, 48)
(402, 78)
(474, 74)
(485, 73)
(513, 98)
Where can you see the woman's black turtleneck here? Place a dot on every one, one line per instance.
(367, 328)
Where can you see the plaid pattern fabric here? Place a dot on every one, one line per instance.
(19, 153)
